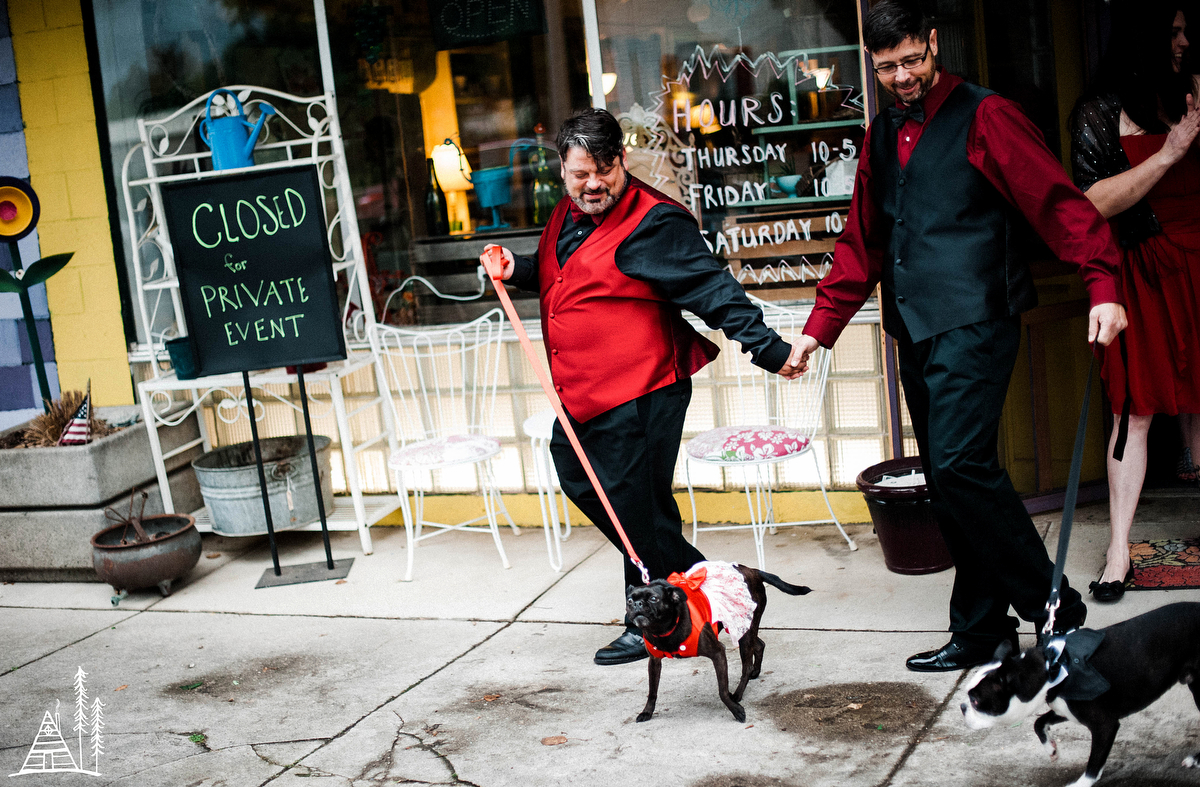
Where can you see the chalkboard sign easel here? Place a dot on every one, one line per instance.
(256, 279)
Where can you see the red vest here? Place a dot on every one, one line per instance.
(610, 338)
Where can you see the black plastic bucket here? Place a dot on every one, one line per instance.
(908, 533)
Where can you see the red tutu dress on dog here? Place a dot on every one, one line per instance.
(717, 595)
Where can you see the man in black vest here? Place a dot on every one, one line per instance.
(950, 172)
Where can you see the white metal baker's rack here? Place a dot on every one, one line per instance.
(304, 131)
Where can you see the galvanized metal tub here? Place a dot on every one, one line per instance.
(165, 548)
(228, 480)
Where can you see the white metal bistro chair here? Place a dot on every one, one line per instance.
(442, 387)
(539, 428)
(775, 420)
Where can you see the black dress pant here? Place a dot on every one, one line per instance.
(633, 448)
(954, 385)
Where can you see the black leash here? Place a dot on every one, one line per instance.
(1064, 534)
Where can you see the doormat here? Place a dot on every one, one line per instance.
(1165, 563)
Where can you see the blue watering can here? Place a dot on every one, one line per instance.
(493, 186)
(232, 138)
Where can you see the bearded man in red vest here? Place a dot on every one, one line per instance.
(614, 267)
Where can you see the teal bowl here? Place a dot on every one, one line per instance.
(787, 183)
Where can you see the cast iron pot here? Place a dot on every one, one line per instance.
(140, 553)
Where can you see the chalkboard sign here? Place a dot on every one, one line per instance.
(254, 270)
(458, 23)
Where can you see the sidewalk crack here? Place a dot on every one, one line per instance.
(921, 733)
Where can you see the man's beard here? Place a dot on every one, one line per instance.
(596, 208)
(924, 85)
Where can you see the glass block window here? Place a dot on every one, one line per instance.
(852, 437)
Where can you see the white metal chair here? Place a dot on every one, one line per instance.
(774, 420)
(442, 387)
(539, 428)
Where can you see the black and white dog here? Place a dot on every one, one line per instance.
(1102, 677)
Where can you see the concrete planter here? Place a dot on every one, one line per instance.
(54, 498)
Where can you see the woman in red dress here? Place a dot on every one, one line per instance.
(1136, 155)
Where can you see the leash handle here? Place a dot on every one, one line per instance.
(495, 272)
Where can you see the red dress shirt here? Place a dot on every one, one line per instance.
(1010, 152)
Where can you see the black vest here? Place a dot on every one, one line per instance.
(955, 253)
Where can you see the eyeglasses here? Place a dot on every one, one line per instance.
(908, 64)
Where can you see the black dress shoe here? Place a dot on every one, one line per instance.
(1109, 592)
(953, 656)
(624, 649)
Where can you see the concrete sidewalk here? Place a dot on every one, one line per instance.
(475, 675)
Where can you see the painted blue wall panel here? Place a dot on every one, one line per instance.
(51, 378)
(10, 108)
(15, 391)
(10, 343)
(19, 394)
(8, 66)
(46, 341)
(14, 160)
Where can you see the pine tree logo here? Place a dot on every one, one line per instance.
(50, 753)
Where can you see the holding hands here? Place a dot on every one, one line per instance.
(797, 362)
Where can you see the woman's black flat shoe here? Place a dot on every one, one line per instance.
(1108, 592)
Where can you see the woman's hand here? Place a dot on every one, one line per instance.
(1183, 135)
(1121, 192)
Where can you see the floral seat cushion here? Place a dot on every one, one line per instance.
(746, 444)
(445, 451)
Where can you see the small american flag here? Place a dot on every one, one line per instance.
(78, 430)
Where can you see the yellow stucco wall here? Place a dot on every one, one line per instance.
(64, 165)
(793, 506)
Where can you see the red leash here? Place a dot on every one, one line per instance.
(495, 271)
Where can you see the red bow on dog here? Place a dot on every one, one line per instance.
(691, 581)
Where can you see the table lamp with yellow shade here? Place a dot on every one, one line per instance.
(453, 172)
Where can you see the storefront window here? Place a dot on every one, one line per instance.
(751, 113)
(409, 74)
(495, 78)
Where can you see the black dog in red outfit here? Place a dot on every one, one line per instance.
(682, 616)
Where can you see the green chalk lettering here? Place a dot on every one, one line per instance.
(196, 232)
(223, 294)
(270, 214)
(300, 284)
(295, 328)
(272, 290)
(288, 283)
(277, 325)
(254, 213)
(225, 221)
(229, 336)
(254, 297)
(279, 214)
(208, 292)
(288, 193)
(258, 330)
(246, 333)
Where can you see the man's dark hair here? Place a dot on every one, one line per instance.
(890, 23)
(594, 130)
